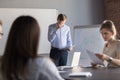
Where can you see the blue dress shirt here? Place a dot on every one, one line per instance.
(59, 38)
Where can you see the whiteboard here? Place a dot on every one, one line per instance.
(45, 17)
(87, 37)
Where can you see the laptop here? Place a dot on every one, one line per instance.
(76, 58)
(75, 61)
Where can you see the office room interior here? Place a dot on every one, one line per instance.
(79, 12)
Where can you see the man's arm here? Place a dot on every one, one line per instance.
(51, 34)
(69, 41)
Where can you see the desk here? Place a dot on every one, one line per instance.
(97, 74)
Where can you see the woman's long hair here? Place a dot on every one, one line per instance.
(22, 44)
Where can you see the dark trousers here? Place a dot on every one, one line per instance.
(59, 56)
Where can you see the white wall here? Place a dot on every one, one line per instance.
(43, 16)
(79, 12)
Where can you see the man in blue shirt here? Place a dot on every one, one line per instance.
(60, 38)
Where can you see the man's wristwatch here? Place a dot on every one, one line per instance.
(110, 59)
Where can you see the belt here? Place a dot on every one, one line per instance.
(59, 49)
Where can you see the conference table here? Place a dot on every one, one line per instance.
(97, 73)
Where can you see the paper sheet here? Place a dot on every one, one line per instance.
(94, 58)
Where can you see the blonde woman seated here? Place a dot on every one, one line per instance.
(111, 52)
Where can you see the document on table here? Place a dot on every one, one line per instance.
(94, 58)
(80, 74)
